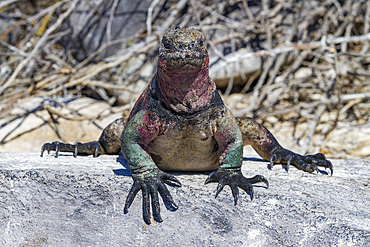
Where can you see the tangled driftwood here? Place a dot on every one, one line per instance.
(292, 59)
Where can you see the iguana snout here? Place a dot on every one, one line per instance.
(183, 48)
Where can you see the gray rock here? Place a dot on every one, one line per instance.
(97, 23)
(79, 202)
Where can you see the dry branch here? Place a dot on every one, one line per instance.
(42, 40)
(292, 59)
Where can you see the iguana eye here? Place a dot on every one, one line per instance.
(201, 42)
(166, 43)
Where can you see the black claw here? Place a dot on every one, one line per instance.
(331, 171)
(157, 218)
(213, 177)
(258, 179)
(220, 187)
(208, 180)
(96, 150)
(171, 205)
(288, 164)
(170, 179)
(316, 168)
(42, 150)
(235, 192)
(330, 166)
(76, 149)
(272, 159)
(56, 149)
(131, 195)
(326, 164)
(147, 219)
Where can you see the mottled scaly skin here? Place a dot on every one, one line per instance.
(180, 123)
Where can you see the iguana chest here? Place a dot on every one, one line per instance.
(186, 146)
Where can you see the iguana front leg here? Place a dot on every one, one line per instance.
(267, 147)
(229, 139)
(141, 129)
(109, 142)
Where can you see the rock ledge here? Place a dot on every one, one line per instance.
(79, 202)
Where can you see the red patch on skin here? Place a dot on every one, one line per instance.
(148, 128)
(185, 90)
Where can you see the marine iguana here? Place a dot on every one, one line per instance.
(180, 123)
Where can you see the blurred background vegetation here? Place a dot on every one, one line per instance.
(67, 68)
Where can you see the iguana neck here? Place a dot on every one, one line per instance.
(185, 90)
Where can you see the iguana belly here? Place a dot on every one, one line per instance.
(190, 148)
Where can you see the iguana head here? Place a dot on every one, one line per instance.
(183, 79)
(183, 49)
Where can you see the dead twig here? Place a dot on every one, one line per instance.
(40, 42)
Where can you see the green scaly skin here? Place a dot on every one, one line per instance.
(180, 123)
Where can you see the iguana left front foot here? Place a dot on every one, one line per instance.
(269, 148)
(234, 179)
(308, 163)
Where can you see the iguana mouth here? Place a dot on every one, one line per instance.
(185, 64)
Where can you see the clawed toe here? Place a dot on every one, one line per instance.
(319, 160)
(327, 164)
(258, 179)
(235, 180)
(50, 147)
(330, 168)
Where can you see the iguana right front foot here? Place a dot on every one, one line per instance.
(150, 184)
(93, 148)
